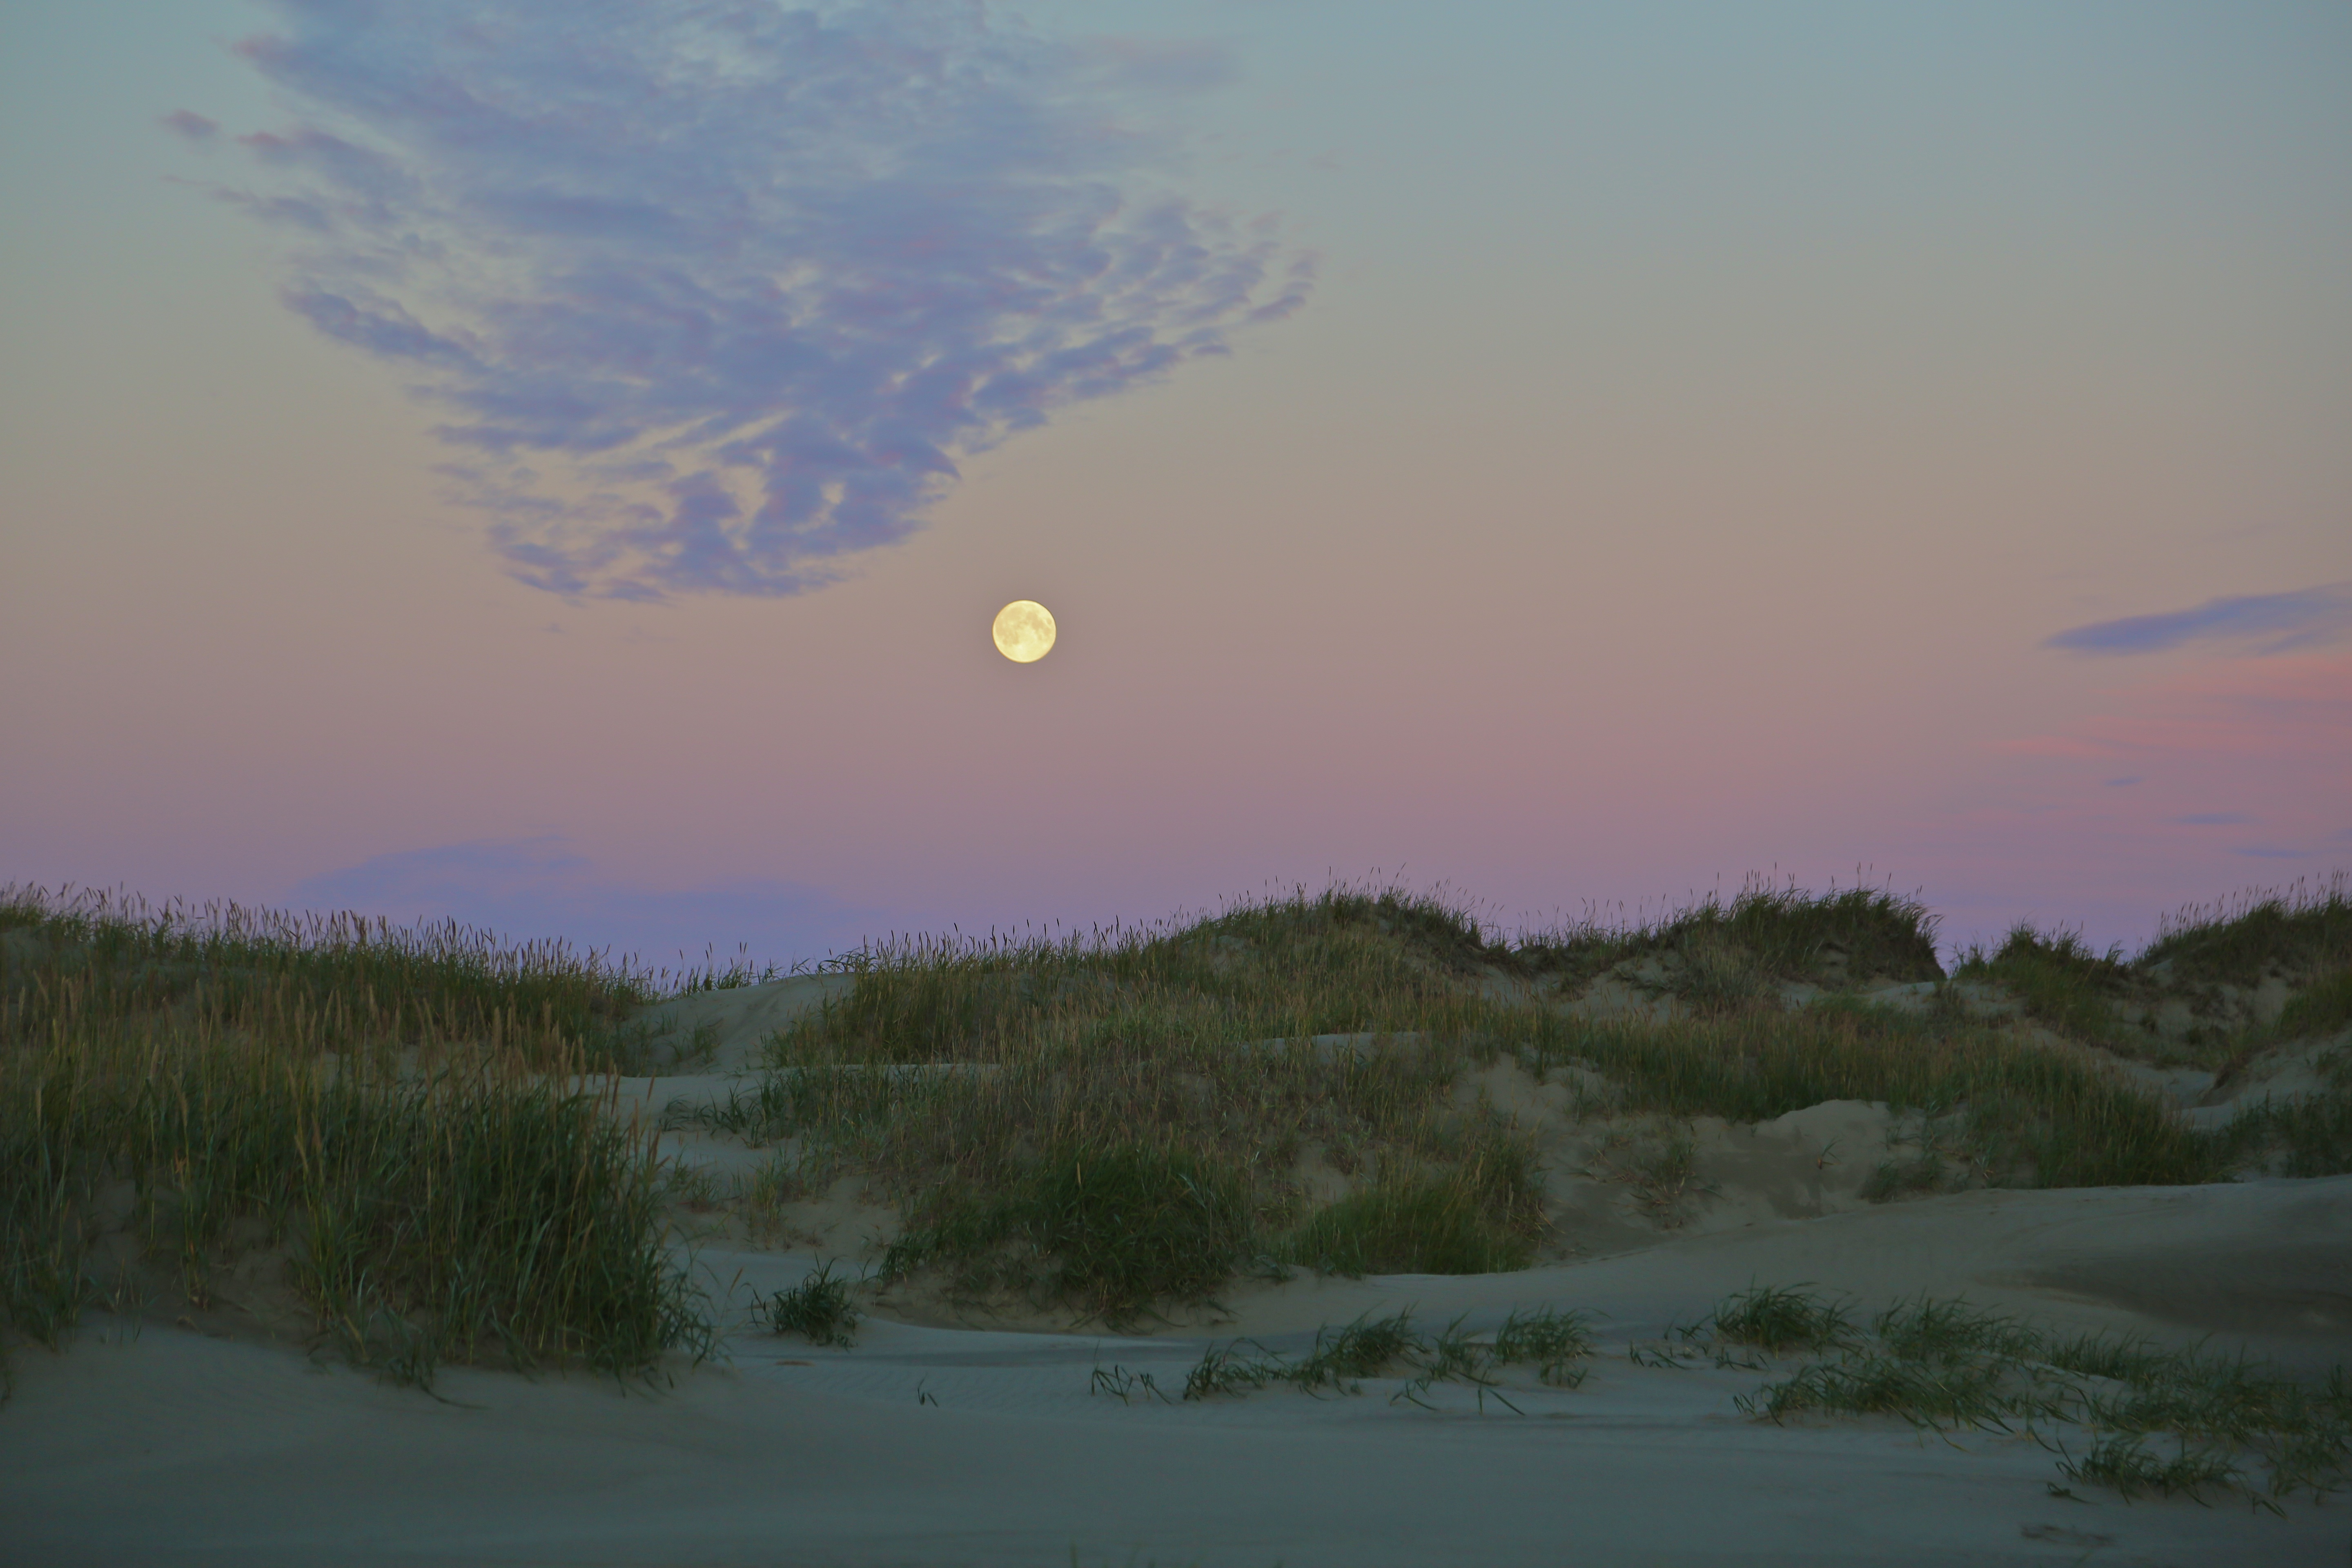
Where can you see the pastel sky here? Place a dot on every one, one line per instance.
(553, 464)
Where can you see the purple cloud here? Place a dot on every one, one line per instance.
(718, 293)
(535, 890)
(191, 127)
(2279, 623)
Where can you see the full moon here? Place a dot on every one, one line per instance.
(1024, 631)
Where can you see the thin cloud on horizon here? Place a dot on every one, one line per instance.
(2278, 623)
(541, 888)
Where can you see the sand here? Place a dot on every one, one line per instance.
(951, 1435)
(946, 1445)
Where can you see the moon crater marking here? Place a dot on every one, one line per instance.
(1024, 631)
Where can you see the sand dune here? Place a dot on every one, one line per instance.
(998, 1431)
(938, 1444)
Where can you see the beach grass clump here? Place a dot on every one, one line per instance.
(321, 983)
(1766, 933)
(2231, 1423)
(1366, 1348)
(2297, 931)
(2057, 980)
(1459, 1220)
(1089, 1121)
(1343, 961)
(388, 1120)
(818, 1308)
(47, 1231)
(1776, 1317)
(2124, 1463)
(2324, 1007)
(2306, 1134)
(449, 1217)
(2030, 1115)
(1556, 1342)
(1111, 1228)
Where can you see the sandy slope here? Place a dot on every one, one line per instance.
(946, 1445)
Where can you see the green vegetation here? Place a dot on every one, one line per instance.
(2298, 931)
(2325, 1007)
(1774, 1318)
(1729, 953)
(1126, 1109)
(1453, 1223)
(1556, 1344)
(1112, 1227)
(1943, 1365)
(383, 1110)
(818, 1308)
(972, 1082)
(1104, 1122)
(2308, 1136)
(2057, 980)
(326, 983)
(2032, 1116)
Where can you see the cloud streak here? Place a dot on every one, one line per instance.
(2275, 623)
(542, 890)
(718, 293)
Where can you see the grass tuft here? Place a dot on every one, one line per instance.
(818, 1308)
(1773, 1318)
(2123, 1461)
(1556, 1342)
(2057, 980)
(1113, 1230)
(1944, 1365)
(1446, 1224)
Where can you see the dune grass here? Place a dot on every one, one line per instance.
(2322, 1008)
(2297, 931)
(2306, 1135)
(335, 983)
(1558, 1344)
(386, 1112)
(1767, 932)
(1112, 1227)
(1192, 1066)
(2057, 980)
(1104, 1121)
(1441, 1223)
(2032, 1117)
(1107, 1121)
(2231, 1424)
(818, 1308)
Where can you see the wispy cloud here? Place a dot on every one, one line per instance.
(2211, 819)
(192, 127)
(718, 292)
(2273, 623)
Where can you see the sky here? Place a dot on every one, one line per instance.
(554, 465)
